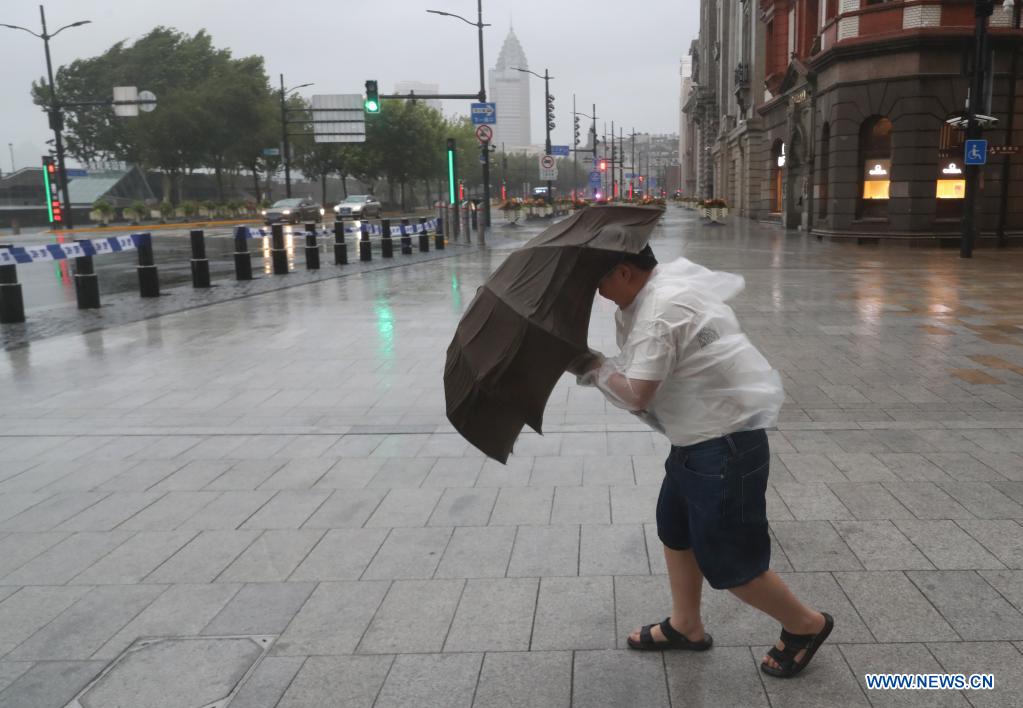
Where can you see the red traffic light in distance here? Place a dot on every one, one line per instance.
(603, 165)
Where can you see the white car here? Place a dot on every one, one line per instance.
(359, 206)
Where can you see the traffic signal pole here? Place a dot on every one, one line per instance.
(983, 9)
(57, 125)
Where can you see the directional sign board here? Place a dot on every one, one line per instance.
(560, 150)
(484, 133)
(339, 118)
(271, 152)
(595, 179)
(484, 113)
(976, 152)
(76, 173)
(548, 168)
(1003, 150)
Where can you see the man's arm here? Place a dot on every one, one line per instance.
(633, 394)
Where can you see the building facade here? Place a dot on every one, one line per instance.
(509, 89)
(686, 134)
(831, 116)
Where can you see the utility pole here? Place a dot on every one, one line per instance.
(613, 170)
(285, 147)
(1003, 205)
(983, 9)
(10, 147)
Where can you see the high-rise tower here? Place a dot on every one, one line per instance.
(510, 90)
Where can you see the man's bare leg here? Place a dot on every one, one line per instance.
(686, 586)
(769, 593)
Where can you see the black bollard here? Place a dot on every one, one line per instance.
(12, 305)
(365, 247)
(424, 236)
(312, 248)
(200, 263)
(149, 279)
(86, 283)
(340, 247)
(386, 244)
(438, 235)
(406, 239)
(278, 251)
(242, 257)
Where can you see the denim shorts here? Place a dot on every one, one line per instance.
(712, 500)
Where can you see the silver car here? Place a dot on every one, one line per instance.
(359, 206)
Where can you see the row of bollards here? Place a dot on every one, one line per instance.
(12, 306)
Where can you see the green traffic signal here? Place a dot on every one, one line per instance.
(371, 103)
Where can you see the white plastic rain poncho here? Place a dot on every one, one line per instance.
(685, 367)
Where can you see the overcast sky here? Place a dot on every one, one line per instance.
(622, 56)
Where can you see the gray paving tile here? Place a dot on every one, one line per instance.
(464, 506)
(409, 553)
(523, 506)
(613, 550)
(414, 617)
(287, 510)
(723, 676)
(983, 500)
(48, 514)
(1002, 538)
(946, 545)
(556, 472)
(477, 552)
(861, 467)
(346, 508)
(494, 615)
(814, 545)
(11, 670)
(998, 658)
(811, 502)
(337, 682)
(142, 476)
(30, 609)
(16, 549)
(516, 473)
(608, 470)
(1008, 582)
(111, 511)
(640, 600)
(49, 683)
(342, 554)
(927, 500)
(168, 512)
(333, 619)
(405, 507)
(402, 472)
(454, 472)
(833, 684)
(193, 476)
(272, 557)
(544, 551)
(614, 678)
(893, 608)
(245, 475)
(431, 681)
(12, 504)
(66, 559)
(1008, 464)
(964, 467)
(975, 609)
(912, 467)
(260, 608)
(634, 504)
(901, 658)
(574, 613)
(812, 468)
(525, 680)
(880, 546)
(182, 610)
(87, 625)
(203, 558)
(581, 505)
(227, 512)
(648, 469)
(267, 684)
(298, 474)
(870, 500)
(822, 592)
(134, 559)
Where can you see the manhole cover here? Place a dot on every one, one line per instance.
(175, 672)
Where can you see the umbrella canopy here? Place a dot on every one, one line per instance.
(530, 320)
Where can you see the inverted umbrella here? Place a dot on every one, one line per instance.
(530, 320)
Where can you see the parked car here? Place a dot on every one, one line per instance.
(294, 210)
(363, 206)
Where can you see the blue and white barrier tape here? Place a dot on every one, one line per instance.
(372, 229)
(19, 255)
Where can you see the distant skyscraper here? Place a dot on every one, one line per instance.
(420, 89)
(510, 90)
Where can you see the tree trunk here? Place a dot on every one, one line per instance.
(344, 184)
(165, 187)
(255, 182)
(218, 170)
(403, 207)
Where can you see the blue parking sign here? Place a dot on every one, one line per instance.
(976, 152)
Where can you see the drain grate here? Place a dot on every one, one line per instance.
(175, 672)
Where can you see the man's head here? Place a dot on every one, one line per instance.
(626, 279)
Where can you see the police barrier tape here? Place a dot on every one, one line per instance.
(21, 255)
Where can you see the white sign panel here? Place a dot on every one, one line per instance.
(126, 93)
(548, 168)
(345, 116)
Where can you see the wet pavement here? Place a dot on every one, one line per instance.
(279, 466)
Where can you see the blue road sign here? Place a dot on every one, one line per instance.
(484, 113)
(560, 150)
(76, 173)
(595, 178)
(976, 152)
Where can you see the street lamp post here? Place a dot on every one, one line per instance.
(1003, 206)
(593, 131)
(55, 111)
(285, 144)
(485, 147)
(548, 116)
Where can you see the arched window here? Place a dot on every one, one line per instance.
(777, 170)
(950, 186)
(825, 169)
(876, 159)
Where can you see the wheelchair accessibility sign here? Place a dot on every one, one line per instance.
(976, 152)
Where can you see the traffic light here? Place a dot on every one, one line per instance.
(550, 112)
(453, 199)
(577, 129)
(641, 179)
(372, 101)
(603, 165)
(50, 183)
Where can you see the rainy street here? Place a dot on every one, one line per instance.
(271, 481)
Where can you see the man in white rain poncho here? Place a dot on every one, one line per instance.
(686, 369)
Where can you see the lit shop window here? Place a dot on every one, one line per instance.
(951, 183)
(877, 179)
(876, 159)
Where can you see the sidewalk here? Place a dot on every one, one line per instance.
(279, 467)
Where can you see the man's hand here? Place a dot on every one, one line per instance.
(585, 363)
